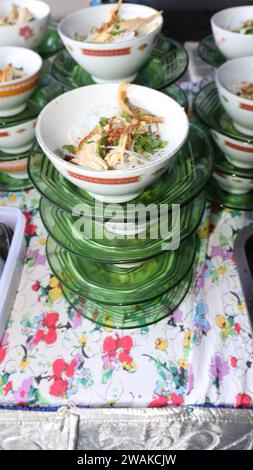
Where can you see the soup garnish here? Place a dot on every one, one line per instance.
(10, 72)
(246, 91)
(116, 29)
(245, 28)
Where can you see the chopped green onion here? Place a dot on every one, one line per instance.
(69, 148)
(148, 143)
(104, 121)
(126, 117)
(102, 147)
(115, 33)
(79, 37)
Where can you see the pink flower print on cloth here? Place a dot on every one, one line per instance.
(26, 32)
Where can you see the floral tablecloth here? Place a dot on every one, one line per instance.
(202, 354)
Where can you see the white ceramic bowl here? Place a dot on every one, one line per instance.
(229, 78)
(15, 93)
(232, 183)
(108, 62)
(74, 114)
(15, 168)
(232, 44)
(29, 34)
(237, 152)
(17, 138)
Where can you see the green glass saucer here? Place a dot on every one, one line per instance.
(209, 109)
(51, 42)
(65, 230)
(243, 202)
(8, 157)
(177, 94)
(116, 285)
(134, 316)
(209, 52)
(7, 183)
(185, 179)
(223, 165)
(167, 64)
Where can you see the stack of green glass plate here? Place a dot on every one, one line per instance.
(209, 52)
(232, 183)
(126, 277)
(130, 316)
(135, 271)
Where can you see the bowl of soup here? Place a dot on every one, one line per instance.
(19, 76)
(112, 41)
(112, 140)
(234, 81)
(233, 31)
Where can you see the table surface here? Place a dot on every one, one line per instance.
(202, 354)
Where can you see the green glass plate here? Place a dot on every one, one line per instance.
(7, 183)
(134, 316)
(209, 109)
(222, 164)
(114, 285)
(185, 179)
(51, 42)
(243, 202)
(64, 230)
(8, 157)
(209, 52)
(177, 94)
(168, 62)
(47, 90)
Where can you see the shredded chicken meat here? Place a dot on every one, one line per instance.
(17, 15)
(246, 91)
(116, 29)
(9, 73)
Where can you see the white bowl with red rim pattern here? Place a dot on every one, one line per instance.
(230, 43)
(232, 183)
(15, 168)
(239, 153)
(14, 94)
(229, 78)
(18, 138)
(114, 62)
(28, 34)
(71, 116)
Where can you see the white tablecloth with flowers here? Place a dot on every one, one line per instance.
(202, 354)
